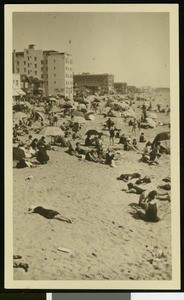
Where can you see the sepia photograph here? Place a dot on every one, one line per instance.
(92, 147)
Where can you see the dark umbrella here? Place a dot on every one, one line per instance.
(92, 132)
(163, 136)
(18, 153)
(67, 105)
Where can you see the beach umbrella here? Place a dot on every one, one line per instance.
(52, 131)
(52, 99)
(163, 136)
(90, 117)
(19, 115)
(92, 132)
(18, 153)
(79, 120)
(78, 113)
(151, 123)
(38, 115)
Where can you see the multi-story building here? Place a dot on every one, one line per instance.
(53, 67)
(100, 83)
(60, 74)
(120, 87)
(16, 85)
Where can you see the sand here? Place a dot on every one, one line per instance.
(106, 240)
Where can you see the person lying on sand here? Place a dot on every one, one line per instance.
(145, 179)
(126, 177)
(166, 187)
(133, 189)
(48, 213)
(164, 197)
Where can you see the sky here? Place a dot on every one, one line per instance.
(132, 46)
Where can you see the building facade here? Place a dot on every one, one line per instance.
(97, 83)
(53, 67)
(120, 87)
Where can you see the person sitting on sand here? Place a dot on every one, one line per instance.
(72, 152)
(135, 144)
(145, 156)
(133, 189)
(42, 155)
(154, 156)
(92, 156)
(41, 143)
(109, 158)
(122, 139)
(48, 213)
(126, 177)
(33, 144)
(142, 138)
(146, 196)
(88, 141)
(128, 145)
(79, 150)
(151, 210)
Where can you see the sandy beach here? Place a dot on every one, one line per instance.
(106, 240)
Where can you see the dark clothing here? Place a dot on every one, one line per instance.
(137, 189)
(40, 143)
(143, 180)
(122, 140)
(88, 142)
(33, 144)
(42, 156)
(151, 213)
(47, 213)
(80, 151)
(126, 177)
(111, 130)
(142, 139)
(109, 158)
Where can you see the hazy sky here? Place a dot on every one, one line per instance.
(132, 46)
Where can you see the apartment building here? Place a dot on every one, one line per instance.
(53, 67)
(100, 83)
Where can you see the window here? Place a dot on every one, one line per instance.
(54, 61)
(54, 68)
(28, 57)
(41, 69)
(28, 64)
(35, 58)
(28, 72)
(35, 72)
(42, 62)
(24, 62)
(41, 75)
(54, 82)
(26, 85)
(24, 70)
(54, 75)
(35, 65)
(18, 70)
(17, 62)
(17, 82)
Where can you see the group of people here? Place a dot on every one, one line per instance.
(33, 148)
